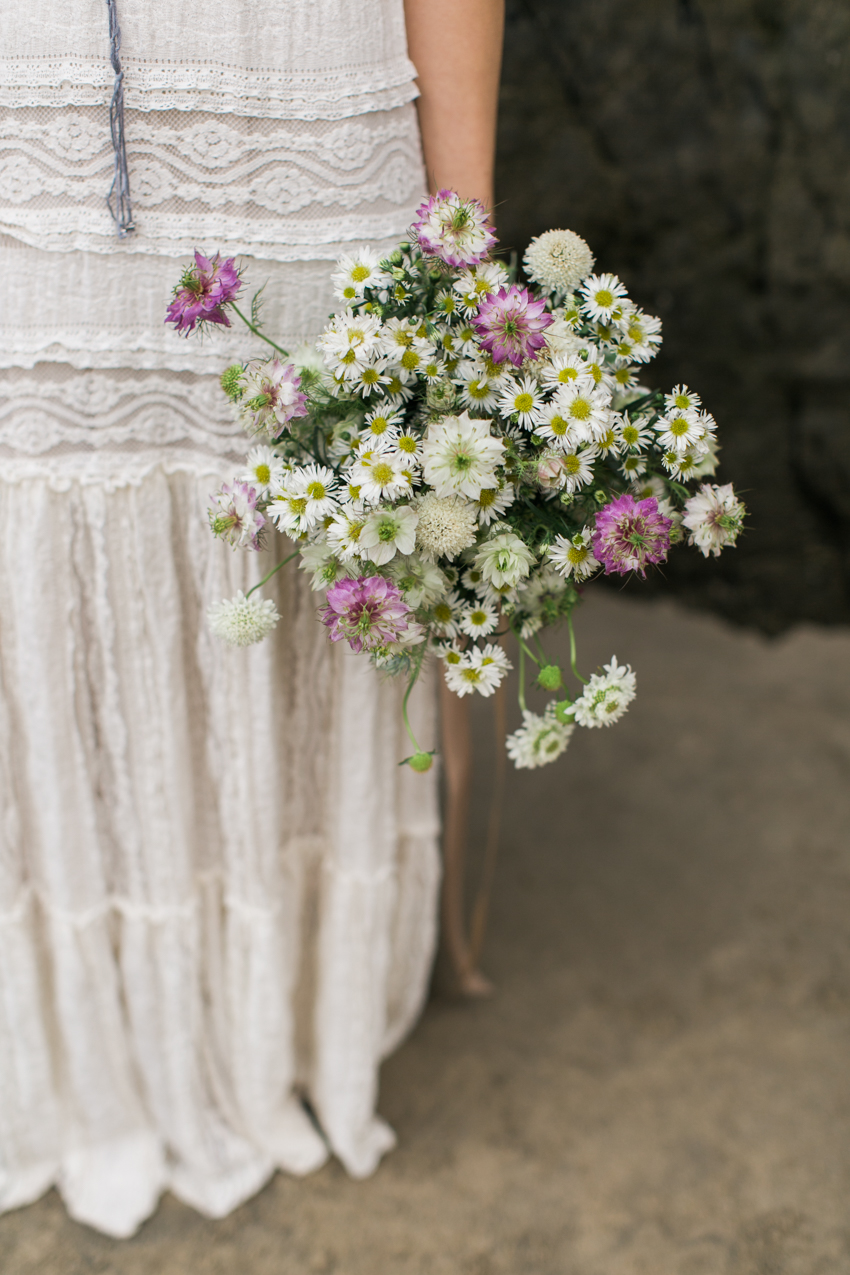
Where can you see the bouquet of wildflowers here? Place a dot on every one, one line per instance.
(458, 453)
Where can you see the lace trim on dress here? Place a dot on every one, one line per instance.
(280, 190)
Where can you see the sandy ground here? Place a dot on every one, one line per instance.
(660, 1085)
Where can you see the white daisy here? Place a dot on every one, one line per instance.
(493, 501)
(472, 285)
(633, 465)
(573, 556)
(578, 468)
(596, 366)
(644, 488)
(460, 456)
(387, 532)
(477, 390)
(382, 422)
(640, 337)
(369, 379)
(539, 740)
(587, 410)
(634, 434)
(406, 451)
(349, 339)
(447, 612)
(559, 429)
(479, 620)
(565, 369)
(681, 399)
(305, 496)
(344, 532)
(357, 271)
(521, 398)
(606, 696)
(479, 669)
(680, 430)
(602, 295)
(263, 467)
(379, 477)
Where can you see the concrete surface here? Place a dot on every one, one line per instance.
(660, 1085)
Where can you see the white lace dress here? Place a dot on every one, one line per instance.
(217, 888)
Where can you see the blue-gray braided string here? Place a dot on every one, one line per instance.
(118, 199)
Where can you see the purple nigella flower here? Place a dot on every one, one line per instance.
(369, 612)
(202, 293)
(272, 397)
(511, 324)
(234, 515)
(456, 230)
(630, 533)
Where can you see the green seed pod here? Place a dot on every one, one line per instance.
(550, 677)
(420, 762)
(231, 380)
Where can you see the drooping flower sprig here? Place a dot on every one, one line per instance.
(458, 453)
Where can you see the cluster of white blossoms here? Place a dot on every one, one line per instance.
(459, 453)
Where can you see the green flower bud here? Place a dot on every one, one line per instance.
(550, 677)
(564, 712)
(231, 380)
(420, 762)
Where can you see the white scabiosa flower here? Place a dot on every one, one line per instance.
(460, 456)
(447, 525)
(573, 555)
(602, 296)
(521, 398)
(714, 517)
(480, 669)
(558, 259)
(606, 696)
(479, 620)
(503, 559)
(387, 532)
(357, 271)
(242, 621)
(539, 740)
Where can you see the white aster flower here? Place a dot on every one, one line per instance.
(460, 456)
(602, 296)
(559, 429)
(477, 389)
(421, 582)
(539, 740)
(606, 696)
(596, 365)
(381, 422)
(560, 336)
(472, 285)
(558, 259)
(520, 397)
(368, 379)
(634, 434)
(493, 501)
(633, 466)
(263, 468)
(344, 532)
(479, 620)
(480, 669)
(573, 556)
(565, 369)
(683, 465)
(680, 430)
(447, 612)
(387, 532)
(503, 559)
(586, 409)
(714, 517)
(577, 468)
(357, 271)
(242, 621)
(681, 399)
(623, 377)
(397, 391)
(304, 496)
(348, 340)
(447, 525)
(379, 477)
(640, 337)
(406, 452)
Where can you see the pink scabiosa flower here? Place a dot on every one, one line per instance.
(511, 324)
(202, 293)
(271, 398)
(368, 612)
(630, 533)
(456, 230)
(234, 515)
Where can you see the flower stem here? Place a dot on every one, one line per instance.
(260, 583)
(258, 332)
(576, 673)
(521, 693)
(410, 685)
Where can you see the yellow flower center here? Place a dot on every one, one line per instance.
(558, 425)
(382, 473)
(360, 272)
(580, 409)
(410, 360)
(523, 402)
(604, 298)
(262, 473)
(316, 491)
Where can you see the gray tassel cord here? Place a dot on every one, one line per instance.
(118, 199)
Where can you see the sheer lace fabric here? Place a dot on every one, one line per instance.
(217, 888)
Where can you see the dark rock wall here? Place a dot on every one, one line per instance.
(702, 150)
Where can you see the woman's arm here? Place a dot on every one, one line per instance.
(456, 46)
